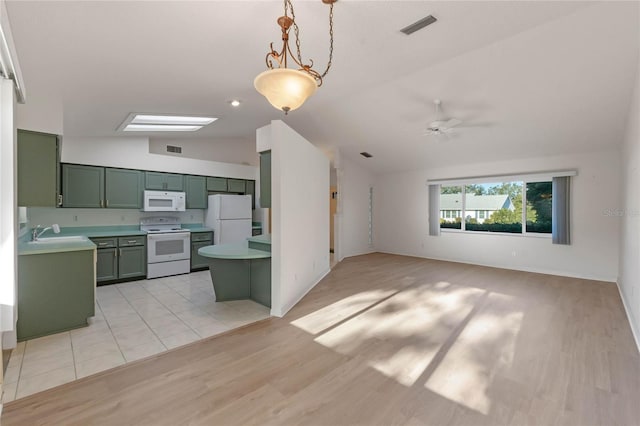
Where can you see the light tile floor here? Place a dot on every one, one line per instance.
(133, 320)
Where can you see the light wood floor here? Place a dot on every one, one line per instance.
(386, 340)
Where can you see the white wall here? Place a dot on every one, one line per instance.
(353, 193)
(629, 280)
(133, 153)
(237, 151)
(300, 219)
(401, 215)
(8, 216)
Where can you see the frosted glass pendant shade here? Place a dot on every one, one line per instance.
(286, 89)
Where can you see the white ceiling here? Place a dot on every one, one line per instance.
(535, 78)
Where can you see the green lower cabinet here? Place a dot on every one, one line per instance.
(199, 240)
(197, 261)
(120, 258)
(107, 265)
(132, 262)
(196, 192)
(56, 292)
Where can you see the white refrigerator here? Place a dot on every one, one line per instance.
(230, 218)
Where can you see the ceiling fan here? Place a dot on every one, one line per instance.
(441, 126)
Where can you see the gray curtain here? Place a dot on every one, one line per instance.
(434, 210)
(561, 210)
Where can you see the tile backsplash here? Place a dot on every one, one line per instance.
(101, 217)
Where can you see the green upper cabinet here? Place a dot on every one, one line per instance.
(265, 179)
(196, 189)
(38, 168)
(251, 190)
(236, 186)
(217, 184)
(164, 181)
(123, 188)
(82, 186)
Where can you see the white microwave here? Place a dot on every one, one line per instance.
(164, 201)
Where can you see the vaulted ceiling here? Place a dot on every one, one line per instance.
(527, 78)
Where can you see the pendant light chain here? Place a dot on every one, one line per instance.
(296, 30)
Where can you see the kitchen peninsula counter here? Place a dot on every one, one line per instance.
(239, 272)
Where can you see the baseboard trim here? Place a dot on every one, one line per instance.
(627, 311)
(532, 270)
(303, 294)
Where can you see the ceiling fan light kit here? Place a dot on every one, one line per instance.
(286, 88)
(440, 127)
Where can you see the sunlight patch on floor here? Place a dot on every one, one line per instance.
(332, 314)
(485, 346)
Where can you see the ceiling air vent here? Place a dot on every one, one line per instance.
(175, 149)
(366, 154)
(418, 25)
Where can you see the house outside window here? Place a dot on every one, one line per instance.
(497, 207)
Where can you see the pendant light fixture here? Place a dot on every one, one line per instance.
(287, 88)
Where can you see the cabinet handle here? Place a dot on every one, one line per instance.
(107, 203)
(120, 252)
(102, 244)
(101, 203)
(115, 253)
(132, 242)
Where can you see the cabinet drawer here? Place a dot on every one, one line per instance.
(201, 236)
(137, 240)
(105, 242)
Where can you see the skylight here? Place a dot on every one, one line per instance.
(164, 123)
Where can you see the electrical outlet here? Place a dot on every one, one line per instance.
(122, 218)
(75, 218)
(191, 217)
(513, 253)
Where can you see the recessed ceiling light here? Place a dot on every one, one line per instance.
(235, 103)
(136, 122)
(160, 128)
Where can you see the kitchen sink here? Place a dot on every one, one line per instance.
(58, 240)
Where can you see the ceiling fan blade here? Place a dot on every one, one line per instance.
(452, 123)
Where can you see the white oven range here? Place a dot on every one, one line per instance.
(168, 246)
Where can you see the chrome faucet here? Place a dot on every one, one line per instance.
(35, 234)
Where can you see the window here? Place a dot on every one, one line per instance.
(513, 207)
(451, 204)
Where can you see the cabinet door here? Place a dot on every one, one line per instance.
(236, 186)
(107, 265)
(174, 182)
(196, 189)
(197, 261)
(38, 166)
(265, 179)
(132, 262)
(251, 190)
(82, 186)
(123, 188)
(163, 181)
(217, 184)
(154, 180)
